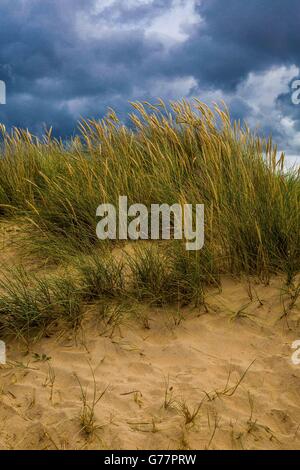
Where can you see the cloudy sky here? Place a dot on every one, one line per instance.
(62, 59)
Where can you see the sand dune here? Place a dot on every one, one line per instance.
(156, 372)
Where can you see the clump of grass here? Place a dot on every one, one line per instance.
(192, 272)
(172, 274)
(68, 298)
(182, 152)
(151, 275)
(101, 276)
(30, 305)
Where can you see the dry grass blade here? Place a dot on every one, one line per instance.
(87, 414)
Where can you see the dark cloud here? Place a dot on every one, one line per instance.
(58, 65)
(238, 37)
(269, 28)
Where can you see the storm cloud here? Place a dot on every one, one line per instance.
(63, 59)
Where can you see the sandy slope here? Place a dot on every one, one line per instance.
(186, 353)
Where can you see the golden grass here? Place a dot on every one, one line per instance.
(177, 153)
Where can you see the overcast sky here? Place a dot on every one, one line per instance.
(62, 59)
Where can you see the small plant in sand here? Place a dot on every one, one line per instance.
(216, 425)
(87, 414)
(241, 312)
(292, 293)
(50, 380)
(189, 414)
(251, 423)
(112, 316)
(40, 357)
(169, 399)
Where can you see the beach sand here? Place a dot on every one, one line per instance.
(156, 367)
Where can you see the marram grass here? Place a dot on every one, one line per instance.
(178, 153)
